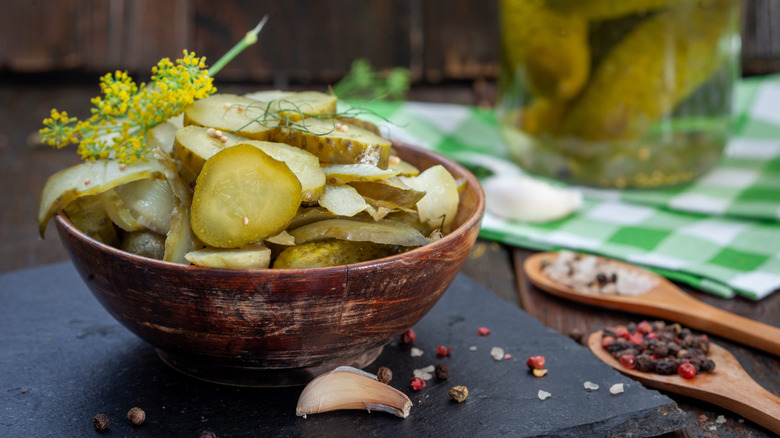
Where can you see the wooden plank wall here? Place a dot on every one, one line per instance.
(437, 40)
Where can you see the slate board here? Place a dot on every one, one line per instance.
(63, 359)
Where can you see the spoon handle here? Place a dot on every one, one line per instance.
(728, 325)
(750, 400)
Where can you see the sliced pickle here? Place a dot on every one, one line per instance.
(193, 146)
(307, 215)
(150, 202)
(391, 193)
(161, 136)
(321, 138)
(145, 244)
(88, 178)
(116, 210)
(402, 167)
(345, 173)
(440, 204)
(365, 124)
(180, 239)
(304, 165)
(284, 238)
(294, 106)
(89, 216)
(342, 200)
(331, 253)
(242, 197)
(251, 257)
(233, 114)
(385, 232)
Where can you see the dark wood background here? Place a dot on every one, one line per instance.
(306, 42)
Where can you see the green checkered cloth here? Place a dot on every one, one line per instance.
(720, 234)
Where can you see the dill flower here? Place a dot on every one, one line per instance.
(123, 115)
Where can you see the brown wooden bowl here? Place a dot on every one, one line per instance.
(270, 327)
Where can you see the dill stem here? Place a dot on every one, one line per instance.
(249, 39)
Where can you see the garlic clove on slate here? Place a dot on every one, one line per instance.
(351, 388)
(525, 199)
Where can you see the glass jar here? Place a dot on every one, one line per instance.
(618, 93)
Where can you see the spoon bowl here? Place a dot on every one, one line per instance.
(728, 386)
(665, 301)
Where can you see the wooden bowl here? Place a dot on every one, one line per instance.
(269, 327)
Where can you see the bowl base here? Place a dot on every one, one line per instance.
(261, 377)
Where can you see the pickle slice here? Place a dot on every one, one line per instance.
(144, 243)
(150, 202)
(354, 145)
(403, 168)
(252, 257)
(385, 232)
(440, 204)
(234, 114)
(243, 196)
(294, 106)
(342, 200)
(193, 146)
(88, 178)
(345, 173)
(392, 193)
(330, 253)
(89, 216)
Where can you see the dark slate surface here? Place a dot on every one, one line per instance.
(63, 359)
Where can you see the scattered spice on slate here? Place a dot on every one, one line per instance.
(535, 362)
(497, 353)
(100, 422)
(596, 275)
(416, 352)
(208, 434)
(483, 331)
(442, 372)
(417, 383)
(408, 337)
(543, 395)
(657, 347)
(590, 386)
(443, 351)
(459, 393)
(424, 373)
(539, 372)
(137, 416)
(384, 375)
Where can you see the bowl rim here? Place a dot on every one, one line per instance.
(471, 221)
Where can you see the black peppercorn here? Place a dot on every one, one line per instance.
(645, 363)
(665, 367)
(384, 375)
(442, 372)
(100, 422)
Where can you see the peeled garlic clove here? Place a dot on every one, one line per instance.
(525, 199)
(351, 388)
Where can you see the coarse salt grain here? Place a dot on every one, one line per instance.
(473, 348)
(590, 386)
(617, 388)
(416, 352)
(424, 373)
(543, 395)
(497, 353)
(721, 419)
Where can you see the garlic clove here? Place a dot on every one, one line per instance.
(525, 199)
(351, 388)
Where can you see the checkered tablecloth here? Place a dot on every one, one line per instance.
(720, 234)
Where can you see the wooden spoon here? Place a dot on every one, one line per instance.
(728, 386)
(665, 301)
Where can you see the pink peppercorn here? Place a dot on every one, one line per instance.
(417, 383)
(483, 331)
(443, 351)
(408, 337)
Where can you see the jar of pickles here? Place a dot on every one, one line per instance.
(618, 93)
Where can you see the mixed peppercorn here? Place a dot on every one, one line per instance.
(656, 347)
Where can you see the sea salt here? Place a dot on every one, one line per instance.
(497, 353)
(596, 275)
(590, 386)
(416, 352)
(617, 388)
(424, 373)
(473, 348)
(543, 395)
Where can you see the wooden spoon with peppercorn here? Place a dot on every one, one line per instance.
(664, 300)
(728, 385)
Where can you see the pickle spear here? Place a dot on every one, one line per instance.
(243, 196)
(550, 47)
(633, 86)
(385, 232)
(234, 114)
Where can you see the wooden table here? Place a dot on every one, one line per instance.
(25, 165)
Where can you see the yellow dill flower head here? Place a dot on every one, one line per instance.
(126, 111)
